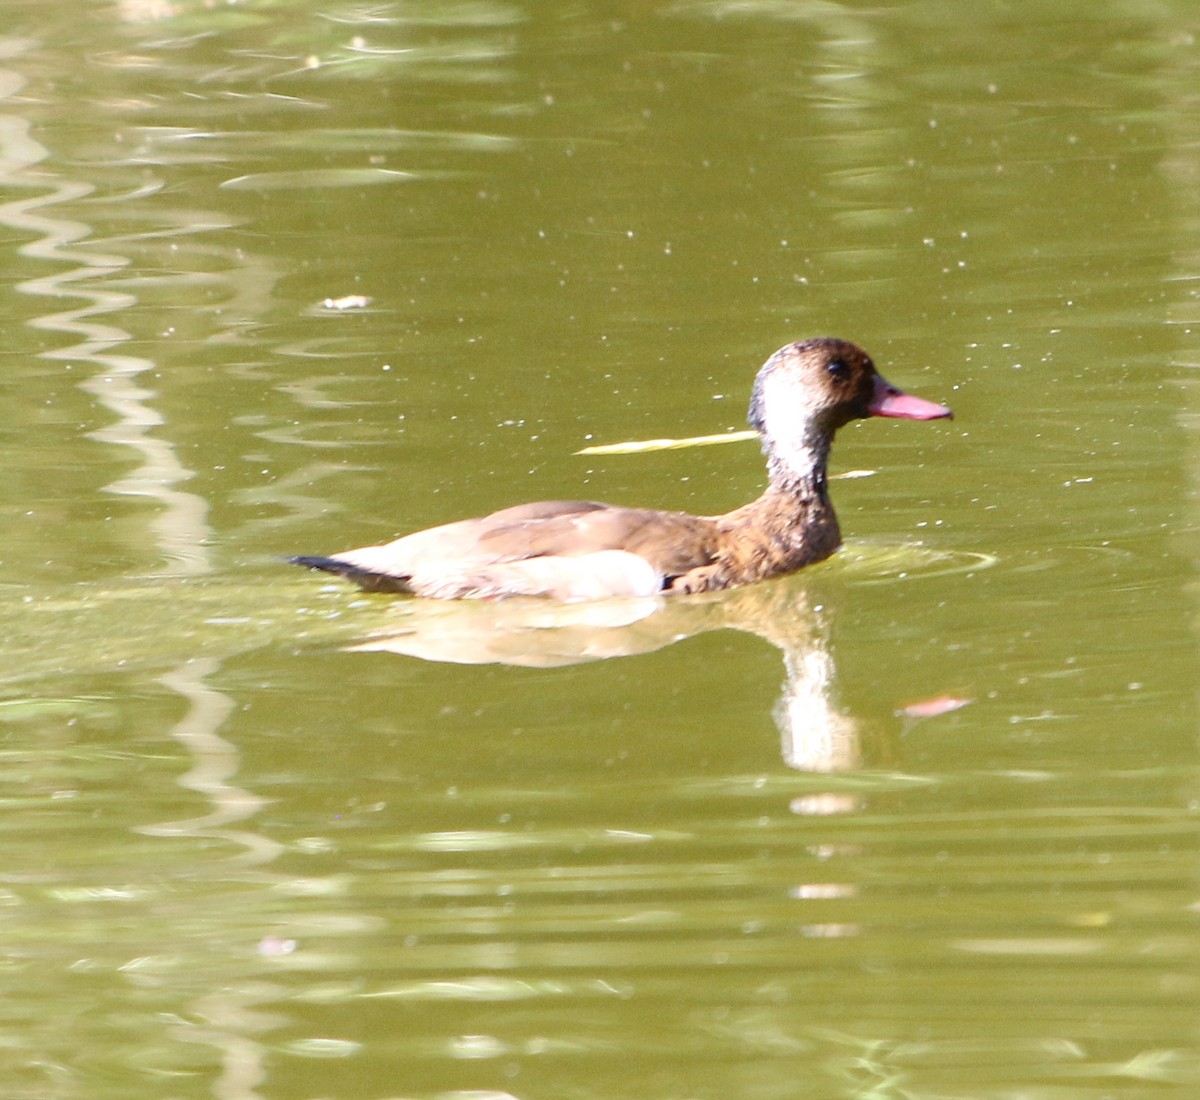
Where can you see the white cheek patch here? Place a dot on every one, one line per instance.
(787, 402)
(792, 431)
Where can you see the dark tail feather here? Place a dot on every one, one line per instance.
(370, 582)
(329, 565)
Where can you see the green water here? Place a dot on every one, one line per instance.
(917, 824)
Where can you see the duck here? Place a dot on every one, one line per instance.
(578, 550)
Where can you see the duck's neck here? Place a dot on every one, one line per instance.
(798, 465)
(793, 523)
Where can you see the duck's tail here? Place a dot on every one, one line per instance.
(364, 578)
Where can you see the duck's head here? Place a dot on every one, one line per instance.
(807, 390)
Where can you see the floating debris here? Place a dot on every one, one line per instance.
(638, 446)
(349, 301)
(931, 708)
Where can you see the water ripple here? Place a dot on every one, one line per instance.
(318, 177)
(181, 526)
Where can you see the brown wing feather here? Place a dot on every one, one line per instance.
(543, 509)
(670, 541)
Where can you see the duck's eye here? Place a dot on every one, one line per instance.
(838, 368)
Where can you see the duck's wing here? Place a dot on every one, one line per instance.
(571, 550)
(671, 542)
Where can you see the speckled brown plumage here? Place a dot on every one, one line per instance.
(576, 550)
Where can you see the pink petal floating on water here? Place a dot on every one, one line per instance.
(931, 708)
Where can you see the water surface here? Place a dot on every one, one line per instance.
(920, 822)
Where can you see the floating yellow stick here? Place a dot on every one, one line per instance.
(637, 446)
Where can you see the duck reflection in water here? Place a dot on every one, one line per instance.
(818, 736)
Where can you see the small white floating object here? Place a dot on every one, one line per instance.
(348, 301)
